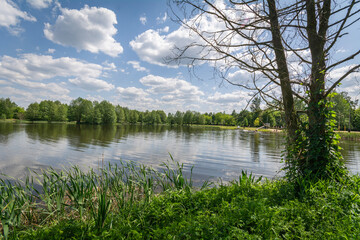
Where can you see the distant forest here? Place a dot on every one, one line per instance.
(84, 111)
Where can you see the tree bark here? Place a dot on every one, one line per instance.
(318, 148)
(283, 72)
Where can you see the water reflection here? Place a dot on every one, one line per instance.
(8, 129)
(255, 147)
(214, 152)
(46, 132)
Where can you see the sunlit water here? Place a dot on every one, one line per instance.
(213, 153)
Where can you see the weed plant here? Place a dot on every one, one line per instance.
(129, 201)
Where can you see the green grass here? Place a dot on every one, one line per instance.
(353, 135)
(129, 201)
(236, 128)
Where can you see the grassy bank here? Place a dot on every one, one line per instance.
(136, 202)
(236, 128)
(349, 135)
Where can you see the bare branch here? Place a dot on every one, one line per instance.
(353, 69)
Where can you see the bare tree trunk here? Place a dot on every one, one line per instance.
(283, 72)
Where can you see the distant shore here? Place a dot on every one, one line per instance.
(352, 135)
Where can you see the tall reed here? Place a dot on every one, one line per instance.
(87, 196)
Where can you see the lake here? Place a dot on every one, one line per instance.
(213, 152)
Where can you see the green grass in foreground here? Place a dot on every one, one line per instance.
(137, 202)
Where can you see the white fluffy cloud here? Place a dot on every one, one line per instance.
(236, 100)
(52, 87)
(10, 16)
(137, 67)
(228, 98)
(339, 72)
(30, 69)
(157, 48)
(240, 77)
(350, 84)
(26, 97)
(90, 28)
(132, 93)
(172, 89)
(39, 4)
(92, 84)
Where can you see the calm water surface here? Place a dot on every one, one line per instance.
(213, 153)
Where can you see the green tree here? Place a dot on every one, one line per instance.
(80, 109)
(208, 120)
(201, 119)
(344, 109)
(229, 120)
(272, 120)
(62, 112)
(19, 113)
(95, 117)
(134, 116)
(148, 118)
(245, 122)
(188, 116)
(141, 117)
(157, 118)
(7, 107)
(356, 119)
(108, 114)
(257, 122)
(219, 119)
(47, 110)
(178, 117)
(162, 115)
(32, 112)
(120, 115)
(170, 119)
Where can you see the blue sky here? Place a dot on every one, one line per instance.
(110, 50)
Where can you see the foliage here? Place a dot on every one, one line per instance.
(356, 119)
(316, 154)
(81, 110)
(7, 108)
(257, 122)
(344, 109)
(123, 205)
(32, 112)
(107, 112)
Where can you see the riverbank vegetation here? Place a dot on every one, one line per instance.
(84, 111)
(129, 201)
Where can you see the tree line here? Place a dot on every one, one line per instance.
(93, 112)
